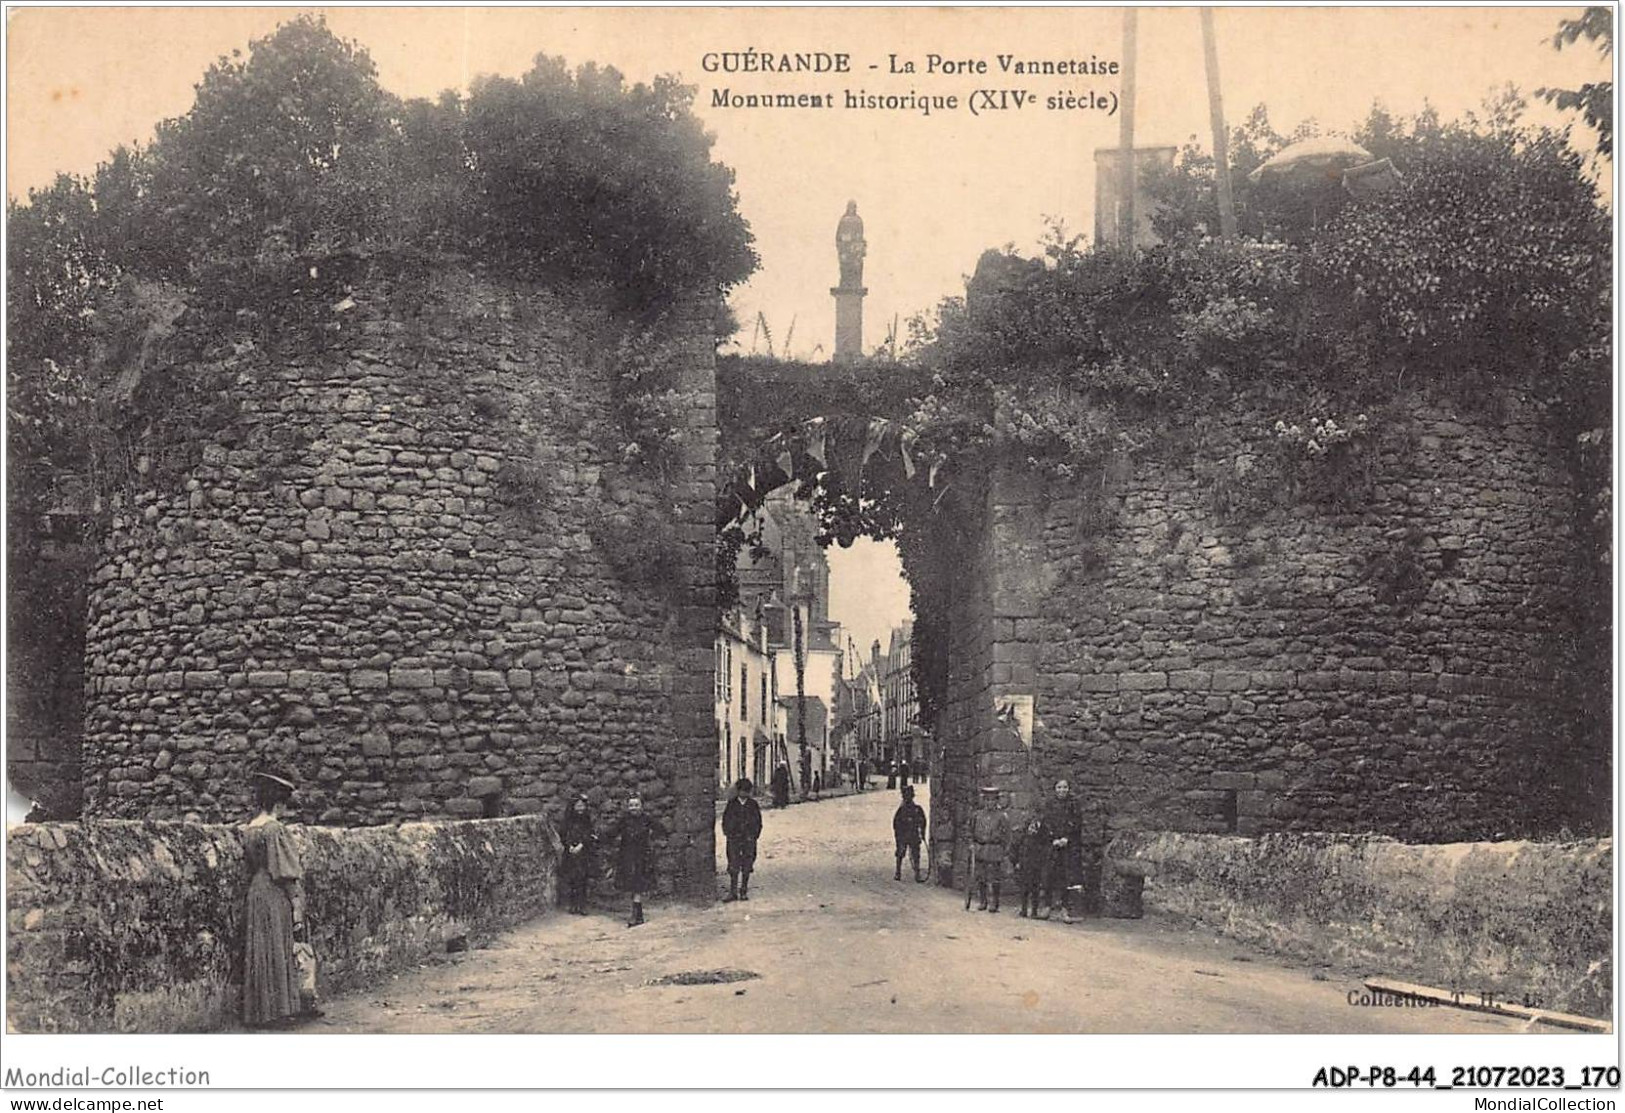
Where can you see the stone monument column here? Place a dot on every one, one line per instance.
(850, 247)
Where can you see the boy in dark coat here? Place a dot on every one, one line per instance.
(1032, 865)
(908, 828)
(575, 870)
(741, 827)
(635, 856)
(990, 831)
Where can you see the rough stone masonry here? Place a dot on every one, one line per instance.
(1399, 661)
(404, 568)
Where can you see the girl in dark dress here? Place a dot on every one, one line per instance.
(635, 856)
(575, 870)
(275, 909)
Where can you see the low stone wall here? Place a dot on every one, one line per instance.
(136, 926)
(1510, 918)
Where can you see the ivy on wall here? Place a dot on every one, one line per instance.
(1485, 273)
(293, 168)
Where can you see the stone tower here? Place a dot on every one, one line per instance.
(849, 248)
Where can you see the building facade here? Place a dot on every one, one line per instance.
(901, 737)
(749, 714)
(785, 580)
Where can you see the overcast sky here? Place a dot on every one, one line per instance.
(934, 191)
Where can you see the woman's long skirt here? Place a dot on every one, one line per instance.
(270, 978)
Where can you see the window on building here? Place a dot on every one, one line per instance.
(764, 698)
(744, 692)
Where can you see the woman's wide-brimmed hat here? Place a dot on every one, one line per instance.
(994, 789)
(273, 776)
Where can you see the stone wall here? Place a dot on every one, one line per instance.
(1518, 920)
(136, 926)
(45, 710)
(411, 564)
(965, 719)
(1392, 662)
(987, 663)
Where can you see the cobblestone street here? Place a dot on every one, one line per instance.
(830, 943)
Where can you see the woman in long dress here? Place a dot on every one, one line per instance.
(275, 910)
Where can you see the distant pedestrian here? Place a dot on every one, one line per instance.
(902, 773)
(863, 776)
(741, 828)
(781, 785)
(990, 831)
(818, 782)
(1033, 855)
(274, 911)
(908, 829)
(635, 855)
(891, 775)
(1063, 823)
(580, 842)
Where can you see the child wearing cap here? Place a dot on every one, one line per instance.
(990, 831)
(908, 829)
(741, 827)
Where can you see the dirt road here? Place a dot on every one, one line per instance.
(830, 943)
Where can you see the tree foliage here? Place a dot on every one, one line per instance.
(1489, 267)
(1594, 100)
(294, 160)
(292, 152)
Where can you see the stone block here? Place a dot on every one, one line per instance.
(1190, 680)
(411, 678)
(1255, 803)
(367, 679)
(1143, 681)
(1232, 681)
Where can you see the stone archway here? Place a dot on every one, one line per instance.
(838, 434)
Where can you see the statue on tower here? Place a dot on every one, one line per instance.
(850, 247)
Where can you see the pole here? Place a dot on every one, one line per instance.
(801, 683)
(1125, 169)
(1221, 139)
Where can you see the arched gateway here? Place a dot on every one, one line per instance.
(422, 558)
